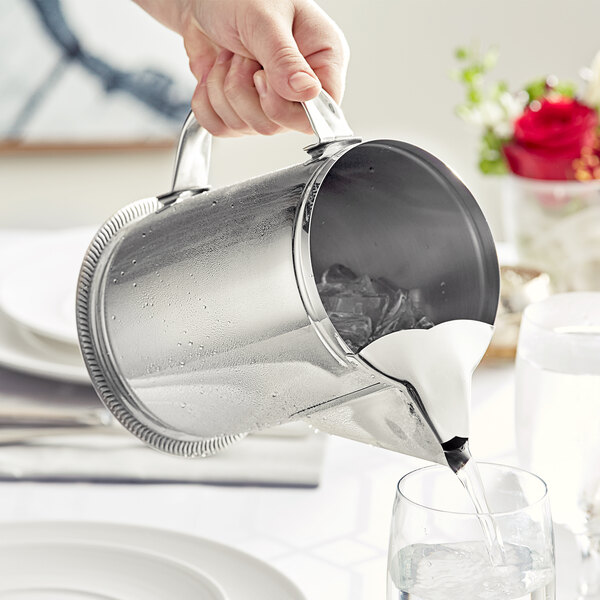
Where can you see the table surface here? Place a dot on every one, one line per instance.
(331, 541)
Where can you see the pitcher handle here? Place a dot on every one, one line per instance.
(193, 151)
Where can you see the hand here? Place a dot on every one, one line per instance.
(255, 60)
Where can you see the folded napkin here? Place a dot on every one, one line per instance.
(59, 432)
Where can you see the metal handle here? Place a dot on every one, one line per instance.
(327, 119)
(193, 156)
(193, 151)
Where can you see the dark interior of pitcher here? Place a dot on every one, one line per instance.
(395, 213)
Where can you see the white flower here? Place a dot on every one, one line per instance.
(504, 130)
(513, 105)
(491, 114)
(591, 95)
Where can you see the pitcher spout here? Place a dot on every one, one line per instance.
(387, 417)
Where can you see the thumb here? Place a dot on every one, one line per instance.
(288, 73)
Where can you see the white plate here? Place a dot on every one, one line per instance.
(240, 575)
(84, 571)
(39, 283)
(22, 350)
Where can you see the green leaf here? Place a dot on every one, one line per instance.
(461, 53)
(490, 59)
(536, 89)
(492, 167)
(566, 88)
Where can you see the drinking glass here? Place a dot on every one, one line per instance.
(558, 415)
(437, 543)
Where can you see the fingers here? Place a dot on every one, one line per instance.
(243, 96)
(235, 99)
(215, 89)
(324, 46)
(287, 114)
(288, 73)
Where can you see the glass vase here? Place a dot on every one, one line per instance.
(555, 227)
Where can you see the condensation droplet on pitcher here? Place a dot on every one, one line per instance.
(214, 203)
(179, 344)
(122, 273)
(113, 317)
(133, 262)
(190, 343)
(182, 404)
(135, 285)
(115, 280)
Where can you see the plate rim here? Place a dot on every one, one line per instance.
(203, 578)
(33, 247)
(78, 527)
(32, 365)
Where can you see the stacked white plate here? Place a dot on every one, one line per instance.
(99, 561)
(38, 281)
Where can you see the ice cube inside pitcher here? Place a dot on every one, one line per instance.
(364, 308)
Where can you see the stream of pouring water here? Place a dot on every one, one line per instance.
(469, 476)
(438, 365)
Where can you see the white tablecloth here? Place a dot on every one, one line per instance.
(331, 541)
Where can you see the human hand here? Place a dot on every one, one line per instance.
(255, 60)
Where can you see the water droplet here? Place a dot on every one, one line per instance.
(371, 169)
(179, 344)
(274, 395)
(214, 203)
(205, 306)
(135, 285)
(181, 363)
(122, 273)
(133, 261)
(443, 284)
(183, 404)
(113, 317)
(228, 322)
(184, 331)
(115, 280)
(201, 347)
(190, 343)
(143, 234)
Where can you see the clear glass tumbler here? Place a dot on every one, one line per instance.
(437, 543)
(558, 415)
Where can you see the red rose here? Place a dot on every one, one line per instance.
(549, 137)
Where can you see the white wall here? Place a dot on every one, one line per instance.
(398, 87)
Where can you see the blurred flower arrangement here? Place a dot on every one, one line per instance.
(544, 131)
(546, 138)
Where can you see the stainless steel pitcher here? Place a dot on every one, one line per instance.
(198, 311)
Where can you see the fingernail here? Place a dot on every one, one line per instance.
(301, 81)
(223, 57)
(259, 83)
